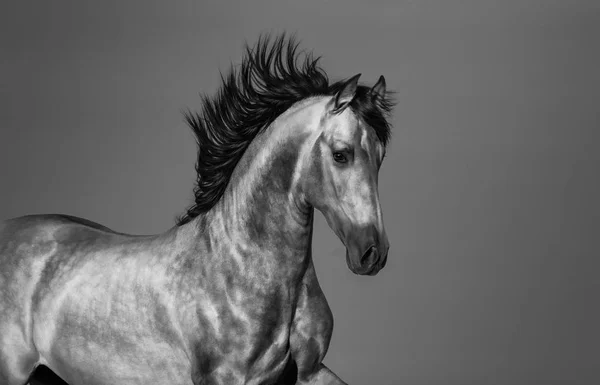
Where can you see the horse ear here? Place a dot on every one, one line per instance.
(378, 91)
(346, 94)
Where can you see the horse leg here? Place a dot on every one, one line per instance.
(311, 332)
(18, 358)
(18, 355)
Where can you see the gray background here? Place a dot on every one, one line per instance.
(490, 189)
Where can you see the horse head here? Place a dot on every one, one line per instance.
(344, 161)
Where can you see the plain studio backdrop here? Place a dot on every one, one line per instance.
(490, 189)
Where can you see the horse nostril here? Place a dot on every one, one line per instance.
(370, 256)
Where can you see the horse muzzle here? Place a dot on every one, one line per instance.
(370, 262)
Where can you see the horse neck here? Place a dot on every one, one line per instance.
(261, 207)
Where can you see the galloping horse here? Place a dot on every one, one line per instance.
(229, 295)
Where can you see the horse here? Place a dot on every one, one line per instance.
(229, 294)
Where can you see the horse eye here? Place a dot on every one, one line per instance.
(339, 157)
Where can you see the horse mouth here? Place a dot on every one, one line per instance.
(370, 271)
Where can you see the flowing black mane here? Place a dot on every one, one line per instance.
(268, 82)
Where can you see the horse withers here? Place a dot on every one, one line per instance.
(229, 295)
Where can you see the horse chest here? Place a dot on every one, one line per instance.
(240, 341)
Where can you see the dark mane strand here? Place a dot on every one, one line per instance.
(269, 81)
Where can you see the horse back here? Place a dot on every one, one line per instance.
(30, 236)
(28, 242)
